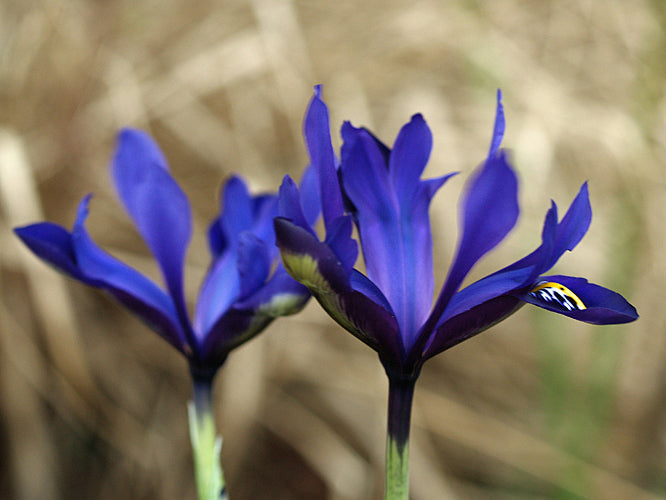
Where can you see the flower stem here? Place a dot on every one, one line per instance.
(400, 396)
(206, 445)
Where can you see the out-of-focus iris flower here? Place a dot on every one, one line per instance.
(243, 291)
(391, 307)
(380, 190)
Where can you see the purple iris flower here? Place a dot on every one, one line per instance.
(244, 289)
(380, 191)
(390, 308)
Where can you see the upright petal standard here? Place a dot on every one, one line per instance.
(390, 308)
(244, 290)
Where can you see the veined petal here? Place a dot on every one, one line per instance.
(391, 208)
(581, 300)
(315, 265)
(157, 205)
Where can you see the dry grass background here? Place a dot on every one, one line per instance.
(93, 404)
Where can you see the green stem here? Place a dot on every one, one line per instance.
(401, 392)
(206, 445)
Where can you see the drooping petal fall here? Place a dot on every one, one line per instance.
(76, 255)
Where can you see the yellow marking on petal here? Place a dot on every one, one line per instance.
(304, 269)
(551, 293)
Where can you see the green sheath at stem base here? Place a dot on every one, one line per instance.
(206, 445)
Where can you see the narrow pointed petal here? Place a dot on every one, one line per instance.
(318, 140)
(315, 265)
(157, 205)
(79, 257)
(581, 300)
(498, 128)
(573, 226)
(489, 211)
(539, 258)
(53, 244)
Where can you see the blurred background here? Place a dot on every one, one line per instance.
(92, 403)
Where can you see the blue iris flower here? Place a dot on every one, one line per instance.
(245, 287)
(390, 308)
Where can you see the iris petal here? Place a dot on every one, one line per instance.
(280, 296)
(157, 205)
(310, 196)
(78, 256)
(289, 205)
(318, 140)
(264, 210)
(316, 266)
(572, 227)
(471, 322)
(53, 244)
(601, 305)
(498, 128)
(409, 157)
(220, 289)
(236, 214)
(254, 263)
(391, 208)
(490, 210)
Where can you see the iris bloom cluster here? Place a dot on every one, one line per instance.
(245, 287)
(390, 308)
